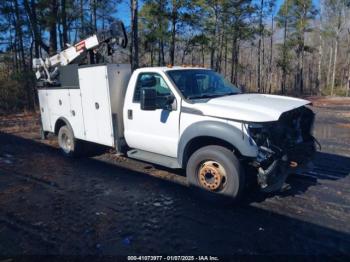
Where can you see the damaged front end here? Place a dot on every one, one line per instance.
(282, 145)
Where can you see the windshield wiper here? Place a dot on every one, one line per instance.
(202, 96)
(209, 95)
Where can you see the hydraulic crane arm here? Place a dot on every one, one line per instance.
(47, 70)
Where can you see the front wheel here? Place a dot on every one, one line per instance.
(217, 170)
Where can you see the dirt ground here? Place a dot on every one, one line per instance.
(109, 205)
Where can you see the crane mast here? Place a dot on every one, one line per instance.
(47, 70)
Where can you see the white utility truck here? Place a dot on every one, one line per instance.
(177, 117)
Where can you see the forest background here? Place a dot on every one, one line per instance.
(293, 47)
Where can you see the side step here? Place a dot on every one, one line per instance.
(161, 160)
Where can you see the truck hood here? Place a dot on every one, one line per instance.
(247, 107)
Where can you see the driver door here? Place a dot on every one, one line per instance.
(154, 131)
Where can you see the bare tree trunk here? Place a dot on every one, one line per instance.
(60, 37)
(301, 71)
(309, 78)
(334, 64)
(236, 62)
(250, 68)
(320, 56)
(213, 40)
(162, 52)
(348, 85)
(183, 56)
(271, 55)
(174, 17)
(134, 38)
(233, 57)
(161, 61)
(53, 26)
(259, 44)
(219, 58)
(301, 53)
(203, 56)
(93, 8)
(342, 82)
(19, 34)
(339, 27)
(263, 80)
(82, 30)
(284, 71)
(319, 70)
(64, 23)
(225, 64)
(348, 78)
(329, 65)
(151, 56)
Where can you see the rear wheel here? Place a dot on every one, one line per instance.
(67, 142)
(216, 170)
(73, 147)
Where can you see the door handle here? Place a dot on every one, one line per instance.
(130, 114)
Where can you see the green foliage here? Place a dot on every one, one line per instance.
(153, 26)
(285, 57)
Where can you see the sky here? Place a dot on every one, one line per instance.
(123, 12)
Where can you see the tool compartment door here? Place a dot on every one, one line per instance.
(76, 111)
(44, 110)
(95, 99)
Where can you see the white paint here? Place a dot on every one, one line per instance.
(154, 131)
(94, 88)
(248, 107)
(58, 104)
(76, 118)
(118, 79)
(44, 110)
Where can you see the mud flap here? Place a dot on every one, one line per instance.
(43, 134)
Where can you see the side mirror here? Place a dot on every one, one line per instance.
(148, 99)
(169, 103)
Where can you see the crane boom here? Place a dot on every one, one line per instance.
(47, 70)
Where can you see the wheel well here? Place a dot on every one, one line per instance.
(202, 141)
(59, 124)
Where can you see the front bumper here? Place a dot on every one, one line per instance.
(273, 165)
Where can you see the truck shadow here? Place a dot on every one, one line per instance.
(326, 167)
(110, 210)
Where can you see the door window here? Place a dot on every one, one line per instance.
(152, 80)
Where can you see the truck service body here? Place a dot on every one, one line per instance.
(178, 117)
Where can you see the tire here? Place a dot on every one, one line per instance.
(68, 144)
(228, 180)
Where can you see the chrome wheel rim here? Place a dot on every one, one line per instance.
(66, 143)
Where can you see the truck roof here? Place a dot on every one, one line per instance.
(169, 68)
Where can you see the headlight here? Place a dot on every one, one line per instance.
(258, 133)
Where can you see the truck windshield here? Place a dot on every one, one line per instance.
(201, 83)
